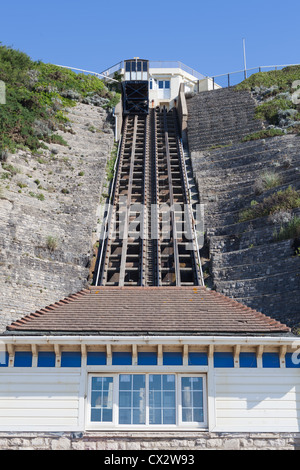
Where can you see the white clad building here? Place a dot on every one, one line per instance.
(110, 362)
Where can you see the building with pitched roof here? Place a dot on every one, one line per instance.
(157, 359)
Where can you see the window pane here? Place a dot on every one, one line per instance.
(125, 400)
(145, 68)
(132, 399)
(155, 399)
(138, 416)
(127, 66)
(155, 416)
(125, 382)
(169, 382)
(155, 382)
(197, 383)
(198, 415)
(97, 383)
(169, 416)
(167, 84)
(107, 415)
(102, 399)
(125, 416)
(187, 414)
(138, 382)
(162, 399)
(139, 66)
(160, 84)
(96, 415)
(169, 399)
(192, 399)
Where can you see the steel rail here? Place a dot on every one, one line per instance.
(128, 203)
(154, 209)
(191, 219)
(172, 211)
(161, 255)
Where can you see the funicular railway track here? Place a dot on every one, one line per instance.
(149, 238)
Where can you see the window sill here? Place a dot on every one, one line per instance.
(147, 429)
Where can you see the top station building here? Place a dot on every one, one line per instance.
(164, 77)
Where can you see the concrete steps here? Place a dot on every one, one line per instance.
(243, 260)
(220, 117)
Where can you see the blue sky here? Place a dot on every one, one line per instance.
(206, 35)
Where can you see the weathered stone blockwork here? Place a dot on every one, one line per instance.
(70, 180)
(220, 117)
(246, 262)
(137, 441)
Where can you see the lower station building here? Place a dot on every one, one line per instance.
(157, 360)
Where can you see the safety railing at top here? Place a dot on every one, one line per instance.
(175, 64)
(224, 80)
(233, 78)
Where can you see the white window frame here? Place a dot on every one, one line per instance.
(114, 425)
(179, 403)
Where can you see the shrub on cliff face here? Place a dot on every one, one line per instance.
(284, 200)
(289, 231)
(52, 243)
(267, 180)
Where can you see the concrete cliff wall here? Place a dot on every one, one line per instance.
(50, 215)
(245, 261)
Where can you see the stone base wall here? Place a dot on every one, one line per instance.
(185, 441)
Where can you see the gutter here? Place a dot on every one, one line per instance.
(152, 340)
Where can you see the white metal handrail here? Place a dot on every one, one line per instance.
(191, 210)
(97, 74)
(254, 68)
(246, 72)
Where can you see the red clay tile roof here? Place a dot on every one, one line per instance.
(148, 310)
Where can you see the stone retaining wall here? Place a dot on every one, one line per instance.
(56, 193)
(188, 441)
(243, 260)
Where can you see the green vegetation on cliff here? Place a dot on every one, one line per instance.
(283, 79)
(37, 95)
(282, 200)
(278, 92)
